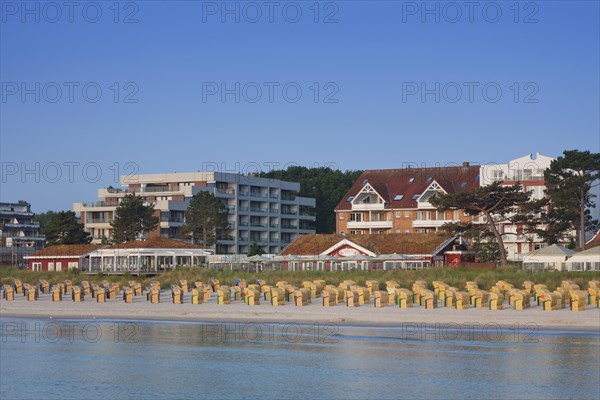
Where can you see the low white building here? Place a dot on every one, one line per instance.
(552, 257)
(587, 260)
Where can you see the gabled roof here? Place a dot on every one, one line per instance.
(387, 243)
(156, 243)
(593, 242)
(65, 250)
(410, 181)
(591, 254)
(553, 253)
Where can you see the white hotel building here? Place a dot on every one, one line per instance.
(266, 211)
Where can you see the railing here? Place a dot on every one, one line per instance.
(274, 225)
(258, 225)
(243, 209)
(288, 212)
(98, 221)
(226, 191)
(95, 204)
(289, 226)
(243, 194)
(274, 211)
(274, 196)
(258, 194)
(243, 224)
(258, 209)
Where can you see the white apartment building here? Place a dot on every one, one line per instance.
(529, 172)
(266, 211)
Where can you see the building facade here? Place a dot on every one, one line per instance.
(266, 211)
(529, 172)
(397, 200)
(19, 235)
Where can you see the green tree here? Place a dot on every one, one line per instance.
(44, 219)
(63, 228)
(569, 181)
(205, 219)
(326, 185)
(255, 250)
(132, 219)
(497, 203)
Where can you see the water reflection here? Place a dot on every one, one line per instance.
(191, 360)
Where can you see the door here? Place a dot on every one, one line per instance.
(58, 266)
(50, 266)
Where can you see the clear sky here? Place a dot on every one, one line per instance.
(189, 86)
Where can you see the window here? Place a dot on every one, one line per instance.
(365, 181)
(416, 196)
(398, 214)
(411, 180)
(463, 185)
(356, 217)
(429, 179)
(398, 197)
(406, 214)
(350, 198)
(73, 264)
(407, 231)
(36, 266)
(341, 216)
(478, 177)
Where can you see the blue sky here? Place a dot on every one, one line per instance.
(161, 81)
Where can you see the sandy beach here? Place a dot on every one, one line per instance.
(365, 315)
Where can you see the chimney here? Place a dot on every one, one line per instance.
(465, 163)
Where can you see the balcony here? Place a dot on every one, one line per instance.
(370, 225)
(368, 207)
(289, 212)
(258, 209)
(259, 195)
(430, 223)
(228, 192)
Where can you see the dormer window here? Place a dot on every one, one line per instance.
(350, 198)
(416, 196)
(398, 197)
(463, 185)
(411, 180)
(429, 179)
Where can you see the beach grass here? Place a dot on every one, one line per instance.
(454, 277)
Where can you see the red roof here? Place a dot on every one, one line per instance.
(156, 243)
(408, 182)
(593, 242)
(385, 243)
(65, 250)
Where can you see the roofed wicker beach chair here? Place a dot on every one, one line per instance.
(207, 292)
(329, 297)
(578, 300)
(62, 288)
(237, 293)
(198, 285)
(277, 296)
(314, 292)
(8, 293)
(127, 294)
(462, 300)
(137, 288)
(404, 298)
(564, 294)
(417, 288)
(224, 294)
(44, 286)
(18, 286)
(56, 293)
(215, 284)
(94, 289)
(391, 284)
(261, 283)
(593, 295)
(252, 296)
(111, 291)
(347, 283)
(197, 296)
(481, 298)
(381, 299)
(68, 286)
(77, 294)
(364, 295)
(440, 288)
(183, 284)
(538, 290)
(372, 285)
(450, 297)
(290, 293)
(352, 298)
(241, 283)
(521, 299)
(86, 288)
(281, 284)
(550, 301)
(429, 299)
(153, 294)
(100, 295)
(266, 292)
(302, 297)
(560, 300)
(177, 294)
(528, 286)
(31, 292)
(320, 283)
(496, 301)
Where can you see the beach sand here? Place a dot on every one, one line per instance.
(239, 312)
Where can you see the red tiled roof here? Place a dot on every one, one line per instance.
(386, 243)
(156, 243)
(391, 182)
(65, 250)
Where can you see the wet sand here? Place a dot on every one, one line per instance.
(239, 312)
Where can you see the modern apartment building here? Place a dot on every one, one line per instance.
(529, 172)
(19, 235)
(397, 200)
(266, 211)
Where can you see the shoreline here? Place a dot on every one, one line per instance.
(238, 312)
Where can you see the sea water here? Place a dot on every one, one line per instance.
(93, 359)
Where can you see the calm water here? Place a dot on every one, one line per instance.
(111, 360)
